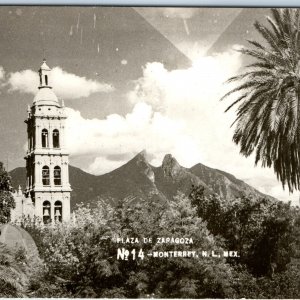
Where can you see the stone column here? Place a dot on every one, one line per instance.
(65, 173)
(62, 136)
(28, 141)
(33, 138)
(30, 174)
(52, 208)
(51, 174)
(50, 140)
(38, 137)
(66, 207)
(38, 174)
(39, 207)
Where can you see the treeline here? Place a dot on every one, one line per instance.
(79, 259)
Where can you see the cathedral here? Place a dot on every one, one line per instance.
(47, 192)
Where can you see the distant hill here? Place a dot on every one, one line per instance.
(138, 179)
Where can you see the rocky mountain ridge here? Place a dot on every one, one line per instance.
(138, 179)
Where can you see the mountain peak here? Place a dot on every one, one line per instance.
(143, 154)
(170, 165)
(140, 163)
(141, 157)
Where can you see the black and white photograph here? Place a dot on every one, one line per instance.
(149, 152)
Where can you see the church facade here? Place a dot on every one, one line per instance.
(47, 193)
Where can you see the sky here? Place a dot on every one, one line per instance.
(131, 79)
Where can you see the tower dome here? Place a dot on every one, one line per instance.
(45, 96)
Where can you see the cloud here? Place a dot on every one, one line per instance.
(173, 112)
(116, 139)
(25, 81)
(2, 78)
(178, 12)
(2, 73)
(191, 96)
(71, 86)
(66, 85)
(104, 164)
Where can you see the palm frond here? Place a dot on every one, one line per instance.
(268, 97)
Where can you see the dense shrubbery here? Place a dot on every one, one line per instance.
(81, 258)
(266, 233)
(17, 269)
(262, 230)
(7, 201)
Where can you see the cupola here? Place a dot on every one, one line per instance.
(45, 95)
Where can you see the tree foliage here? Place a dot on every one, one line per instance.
(83, 255)
(262, 230)
(268, 94)
(17, 269)
(81, 258)
(7, 201)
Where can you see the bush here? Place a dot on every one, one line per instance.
(80, 258)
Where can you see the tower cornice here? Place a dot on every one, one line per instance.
(49, 152)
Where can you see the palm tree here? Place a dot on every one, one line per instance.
(268, 94)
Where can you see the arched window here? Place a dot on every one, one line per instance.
(44, 138)
(46, 212)
(57, 175)
(46, 79)
(55, 138)
(58, 211)
(46, 175)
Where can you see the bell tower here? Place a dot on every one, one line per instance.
(47, 160)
